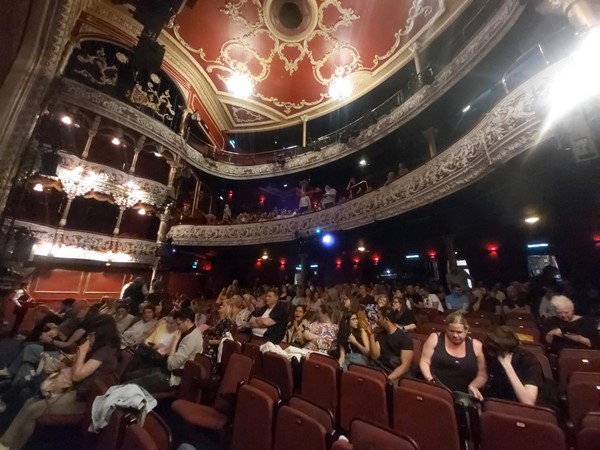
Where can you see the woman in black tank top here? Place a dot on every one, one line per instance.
(454, 359)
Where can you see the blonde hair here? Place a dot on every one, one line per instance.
(457, 317)
(559, 301)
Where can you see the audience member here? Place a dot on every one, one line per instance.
(456, 300)
(403, 316)
(568, 330)
(391, 349)
(453, 359)
(123, 318)
(321, 335)
(294, 334)
(353, 341)
(140, 330)
(269, 322)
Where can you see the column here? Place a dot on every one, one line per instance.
(415, 48)
(68, 51)
(91, 133)
(163, 228)
(304, 122)
(65, 214)
(137, 149)
(450, 251)
(175, 166)
(119, 219)
(430, 134)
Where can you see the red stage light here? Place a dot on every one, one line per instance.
(492, 248)
(356, 260)
(338, 262)
(432, 254)
(282, 261)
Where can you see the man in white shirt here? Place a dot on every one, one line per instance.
(329, 197)
(304, 204)
(430, 300)
(140, 330)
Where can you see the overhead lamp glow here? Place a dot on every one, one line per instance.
(361, 249)
(158, 155)
(67, 120)
(532, 219)
(240, 85)
(142, 212)
(116, 141)
(412, 256)
(539, 245)
(340, 88)
(362, 162)
(328, 239)
(578, 81)
(38, 188)
(466, 108)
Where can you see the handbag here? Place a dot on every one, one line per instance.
(58, 383)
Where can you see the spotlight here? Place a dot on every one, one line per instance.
(532, 219)
(361, 249)
(362, 162)
(38, 188)
(158, 155)
(240, 85)
(142, 212)
(340, 88)
(67, 120)
(328, 240)
(466, 108)
(540, 245)
(116, 141)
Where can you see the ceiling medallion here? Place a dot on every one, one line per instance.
(291, 20)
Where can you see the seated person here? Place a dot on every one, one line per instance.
(392, 348)
(140, 330)
(108, 306)
(296, 328)
(95, 357)
(457, 300)
(123, 318)
(568, 330)
(430, 300)
(453, 359)
(321, 335)
(403, 316)
(151, 353)
(353, 341)
(185, 346)
(269, 322)
(514, 373)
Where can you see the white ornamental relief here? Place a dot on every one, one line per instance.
(509, 129)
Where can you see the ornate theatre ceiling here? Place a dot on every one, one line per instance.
(290, 50)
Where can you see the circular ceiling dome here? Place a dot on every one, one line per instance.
(291, 20)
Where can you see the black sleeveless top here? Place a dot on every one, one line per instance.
(455, 373)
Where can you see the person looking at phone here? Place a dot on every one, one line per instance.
(454, 359)
(95, 357)
(567, 329)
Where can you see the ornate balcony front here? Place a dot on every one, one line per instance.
(79, 245)
(512, 126)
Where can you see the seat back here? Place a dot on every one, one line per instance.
(137, 438)
(298, 431)
(253, 422)
(527, 329)
(362, 396)
(589, 436)
(367, 435)
(229, 348)
(112, 435)
(189, 388)
(515, 321)
(268, 387)
(325, 359)
(320, 381)
(316, 412)
(278, 369)
(158, 430)
(540, 355)
(369, 371)
(415, 404)
(429, 327)
(583, 395)
(503, 431)
(417, 350)
(252, 349)
(520, 410)
(480, 322)
(239, 369)
(578, 361)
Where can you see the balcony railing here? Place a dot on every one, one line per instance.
(511, 127)
(79, 245)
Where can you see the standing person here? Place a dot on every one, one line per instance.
(304, 204)
(226, 214)
(454, 359)
(22, 301)
(329, 197)
(135, 293)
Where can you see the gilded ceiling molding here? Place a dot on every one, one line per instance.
(509, 129)
(78, 177)
(80, 245)
(87, 98)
